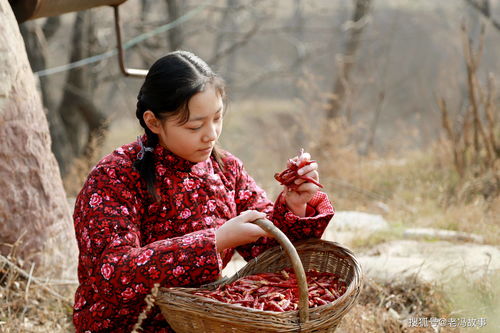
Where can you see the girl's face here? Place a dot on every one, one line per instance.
(195, 139)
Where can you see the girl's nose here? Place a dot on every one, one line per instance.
(211, 134)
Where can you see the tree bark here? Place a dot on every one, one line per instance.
(351, 46)
(33, 207)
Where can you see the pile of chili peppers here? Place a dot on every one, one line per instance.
(288, 176)
(278, 291)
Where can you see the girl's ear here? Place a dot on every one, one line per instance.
(152, 122)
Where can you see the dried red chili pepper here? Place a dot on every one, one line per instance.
(278, 291)
(288, 176)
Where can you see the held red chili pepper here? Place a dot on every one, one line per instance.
(278, 291)
(288, 176)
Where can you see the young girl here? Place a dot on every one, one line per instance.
(172, 207)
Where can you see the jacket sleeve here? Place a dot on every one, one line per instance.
(112, 256)
(248, 195)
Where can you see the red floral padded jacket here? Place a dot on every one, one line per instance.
(128, 241)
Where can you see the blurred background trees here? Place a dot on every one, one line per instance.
(378, 64)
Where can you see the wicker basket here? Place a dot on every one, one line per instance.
(187, 313)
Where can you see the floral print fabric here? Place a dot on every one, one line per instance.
(128, 241)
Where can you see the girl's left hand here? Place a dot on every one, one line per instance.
(298, 198)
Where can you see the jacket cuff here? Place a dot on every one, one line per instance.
(209, 239)
(318, 205)
(211, 233)
(319, 211)
(310, 211)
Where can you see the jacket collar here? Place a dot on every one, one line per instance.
(167, 159)
(170, 160)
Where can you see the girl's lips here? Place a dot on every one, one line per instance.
(206, 150)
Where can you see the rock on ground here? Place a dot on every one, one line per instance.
(347, 226)
(33, 211)
(439, 261)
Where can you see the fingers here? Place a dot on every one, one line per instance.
(252, 215)
(309, 171)
(305, 157)
(254, 230)
(302, 157)
(307, 187)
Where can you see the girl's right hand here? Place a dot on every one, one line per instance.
(237, 231)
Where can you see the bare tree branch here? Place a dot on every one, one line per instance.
(484, 8)
(237, 44)
(280, 71)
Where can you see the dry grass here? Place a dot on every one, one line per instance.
(389, 306)
(386, 307)
(32, 304)
(418, 189)
(477, 299)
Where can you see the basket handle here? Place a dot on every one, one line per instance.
(298, 268)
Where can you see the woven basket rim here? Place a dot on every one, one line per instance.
(238, 275)
(183, 297)
(184, 292)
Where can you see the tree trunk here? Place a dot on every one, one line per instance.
(145, 9)
(33, 206)
(298, 24)
(351, 46)
(81, 117)
(174, 34)
(228, 28)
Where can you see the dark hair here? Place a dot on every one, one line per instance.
(166, 91)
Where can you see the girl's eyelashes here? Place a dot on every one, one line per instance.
(219, 118)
